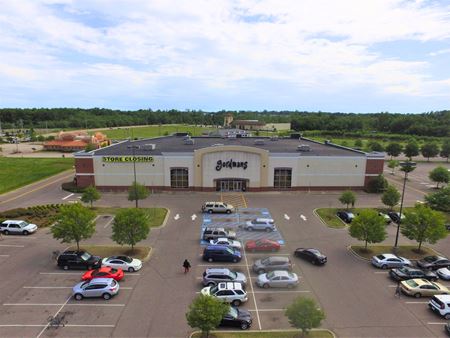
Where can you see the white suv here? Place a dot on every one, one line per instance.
(211, 207)
(17, 227)
(230, 292)
(441, 305)
(266, 224)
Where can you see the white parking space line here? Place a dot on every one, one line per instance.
(45, 325)
(12, 246)
(436, 323)
(266, 310)
(416, 302)
(220, 265)
(4, 255)
(47, 287)
(381, 272)
(282, 291)
(251, 288)
(60, 273)
(108, 223)
(59, 304)
(59, 310)
(265, 253)
(70, 195)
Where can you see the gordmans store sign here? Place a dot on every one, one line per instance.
(125, 159)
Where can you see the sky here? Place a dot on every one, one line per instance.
(308, 55)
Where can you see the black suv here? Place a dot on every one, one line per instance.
(78, 260)
(346, 216)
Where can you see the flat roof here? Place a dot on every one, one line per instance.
(176, 144)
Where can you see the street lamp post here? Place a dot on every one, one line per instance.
(133, 147)
(406, 167)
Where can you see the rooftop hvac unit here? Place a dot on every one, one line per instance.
(259, 142)
(189, 141)
(303, 147)
(149, 146)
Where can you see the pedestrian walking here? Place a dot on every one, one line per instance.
(186, 266)
(398, 290)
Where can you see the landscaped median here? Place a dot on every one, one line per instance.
(140, 252)
(329, 218)
(407, 251)
(315, 333)
(155, 216)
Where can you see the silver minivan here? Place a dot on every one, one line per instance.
(97, 287)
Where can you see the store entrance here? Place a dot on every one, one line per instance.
(231, 184)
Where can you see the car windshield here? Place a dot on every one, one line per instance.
(233, 312)
(84, 285)
(230, 250)
(430, 259)
(291, 275)
(265, 261)
(412, 283)
(315, 252)
(85, 256)
(233, 274)
(270, 275)
(23, 224)
(213, 290)
(380, 257)
(404, 270)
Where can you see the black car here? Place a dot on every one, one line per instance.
(346, 216)
(237, 318)
(407, 272)
(78, 260)
(395, 216)
(314, 256)
(433, 262)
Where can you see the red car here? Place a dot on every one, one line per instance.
(262, 245)
(104, 272)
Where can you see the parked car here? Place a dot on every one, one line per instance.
(433, 262)
(277, 279)
(125, 263)
(265, 224)
(230, 292)
(221, 253)
(217, 207)
(390, 261)
(237, 318)
(262, 245)
(97, 287)
(78, 260)
(422, 287)
(444, 273)
(408, 272)
(215, 233)
(105, 272)
(346, 216)
(386, 217)
(441, 305)
(226, 241)
(447, 328)
(14, 227)
(213, 276)
(447, 226)
(395, 216)
(272, 263)
(313, 256)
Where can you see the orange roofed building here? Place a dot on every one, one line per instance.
(76, 141)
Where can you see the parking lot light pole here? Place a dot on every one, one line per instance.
(133, 147)
(406, 167)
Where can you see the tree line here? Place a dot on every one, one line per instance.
(351, 124)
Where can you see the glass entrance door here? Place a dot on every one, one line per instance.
(231, 184)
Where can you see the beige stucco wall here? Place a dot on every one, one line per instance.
(277, 126)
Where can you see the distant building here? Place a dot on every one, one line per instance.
(248, 124)
(228, 119)
(76, 141)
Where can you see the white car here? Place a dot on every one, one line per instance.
(444, 273)
(125, 263)
(388, 260)
(230, 292)
(17, 227)
(226, 241)
(266, 224)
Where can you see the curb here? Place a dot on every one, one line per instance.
(147, 258)
(276, 330)
(326, 224)
(354, 253)
(165, 220)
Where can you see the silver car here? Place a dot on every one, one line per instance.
(213, 276)
(97, 287)
(265, 224)
(277, 279)
(271, 264)
(226, 241)
(389, 260)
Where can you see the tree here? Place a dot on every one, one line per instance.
(392, 164)
(206, 313)
(445, 150)
(368, 227)
(429, 150)
(439, 200)
(411, 149)
(90, 147)
(348, 197)
(390, 197)
(359, 143)
(130, 227)
(394, 149)
(90, 195)
(439, 175)
(423, 224)
(304, 314)
(377, 184)
(75, 222)
(375, 146)
(137, 192)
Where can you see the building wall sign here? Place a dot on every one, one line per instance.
(231, 164)
(127, 159)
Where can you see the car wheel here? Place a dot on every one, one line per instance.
(65, 267)
(447, 316)
(78, 296)
(417, 295)
(210, 260)
(268, 229)
(313, 262)
(234, 260)
(25, 233)
(89, 267)
(228, 211)
(209, 211)
(236, 302)
(384, 266)
(130, 269)
(211, 284)
(6, 232)
(266, 286)
(244, 326)
(260, 271)
(106, 296)
(249, 229)
(274, 249)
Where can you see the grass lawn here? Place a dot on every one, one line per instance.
(156, 215)
(139, 252)
(262, 334)
(18, 172)
(328, 215)
(407, 251)
(154, 131)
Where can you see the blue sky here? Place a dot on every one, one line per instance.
(347, 55)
